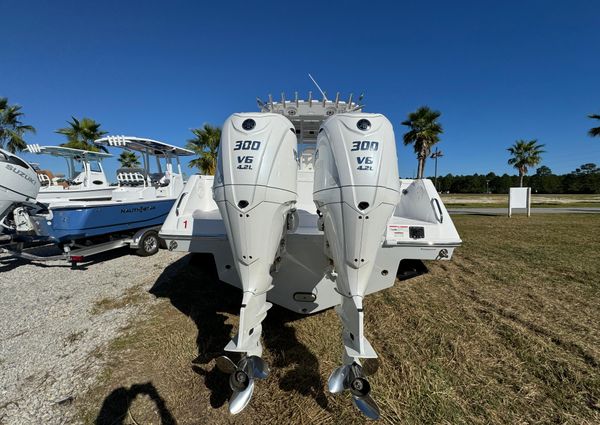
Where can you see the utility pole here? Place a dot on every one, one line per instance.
(435, 156)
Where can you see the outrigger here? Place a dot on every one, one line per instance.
(307, 211)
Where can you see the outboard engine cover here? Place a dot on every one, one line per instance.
(19, 183)
(255, 190)
(356, 189)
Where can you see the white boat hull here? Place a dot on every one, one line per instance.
(46, 194)
(195, 225)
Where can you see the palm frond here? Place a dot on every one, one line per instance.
(424, 129)
(12, 130)
(594, 131)
(205, 144)
(525, 154)
(129, 159)
(81, 134)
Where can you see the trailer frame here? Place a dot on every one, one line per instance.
(77, 251)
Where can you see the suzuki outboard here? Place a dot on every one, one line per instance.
(19, 187)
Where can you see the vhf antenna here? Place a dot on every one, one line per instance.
(316, 84)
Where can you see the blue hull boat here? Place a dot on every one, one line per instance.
(141, 201)
(76, 222)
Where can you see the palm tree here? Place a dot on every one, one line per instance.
(12, 129)
(82, 133)
(525, 154)
(594, 131)
(424, 132)
(206, 145)
(129, 159)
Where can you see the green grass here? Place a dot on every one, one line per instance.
(451, 205)
(506, 333)
(475, 200)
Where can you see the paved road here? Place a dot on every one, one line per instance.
(504, 211)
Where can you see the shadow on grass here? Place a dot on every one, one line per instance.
(286, 350)
(116, 406)
(196, 291)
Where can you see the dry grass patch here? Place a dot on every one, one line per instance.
(507, 332)
(133, 295)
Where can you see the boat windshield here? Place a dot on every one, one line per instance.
(95, 167)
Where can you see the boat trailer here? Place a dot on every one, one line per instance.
(145, 242)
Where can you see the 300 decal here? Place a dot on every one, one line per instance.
(246, 145)
(364, 145)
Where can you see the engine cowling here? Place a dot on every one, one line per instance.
(255, 189)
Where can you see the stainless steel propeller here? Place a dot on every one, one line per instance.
(352, 378)
(241, 378)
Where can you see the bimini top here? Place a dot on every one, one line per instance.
(153, 147)
(67, 152)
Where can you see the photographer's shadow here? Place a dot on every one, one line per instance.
(115, 408)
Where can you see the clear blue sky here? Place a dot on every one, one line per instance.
(498, 71)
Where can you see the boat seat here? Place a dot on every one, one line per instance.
(44, 178)
(159, 180)
(131, 176)
(47, 178)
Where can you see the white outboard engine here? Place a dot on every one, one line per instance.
(19, 184)
(356, 190)
(255, 190)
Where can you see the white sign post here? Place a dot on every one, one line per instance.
(519, 197)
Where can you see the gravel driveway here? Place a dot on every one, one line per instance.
(52, 318)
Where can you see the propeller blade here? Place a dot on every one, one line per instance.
(240, 399)
(337, 379)
(257, 368)
(367, 406)
(370, 366)
(225, 365)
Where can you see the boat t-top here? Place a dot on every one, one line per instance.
(85, 177)
(160, 174)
